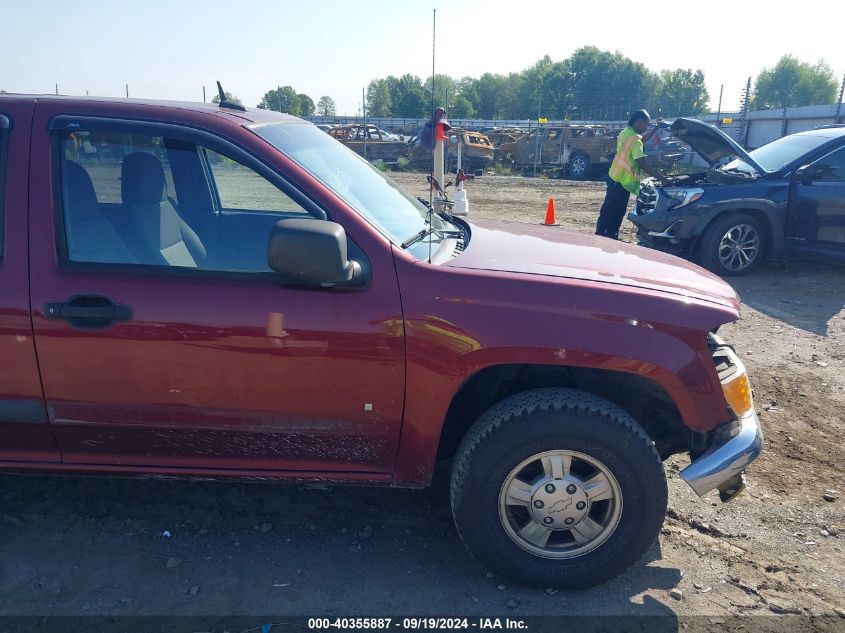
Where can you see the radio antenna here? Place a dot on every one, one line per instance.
(225, 103)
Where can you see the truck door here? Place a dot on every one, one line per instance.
(25, 433)
(817, 205)
(164, 338)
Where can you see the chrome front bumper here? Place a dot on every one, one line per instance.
(723, 464)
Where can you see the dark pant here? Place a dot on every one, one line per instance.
(612, 210)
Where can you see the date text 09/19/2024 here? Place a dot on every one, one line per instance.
(435, 624)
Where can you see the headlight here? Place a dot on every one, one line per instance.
(682, 196)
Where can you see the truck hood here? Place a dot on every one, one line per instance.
(538, 250)
(709, 142)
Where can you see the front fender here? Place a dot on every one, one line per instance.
(459, 322)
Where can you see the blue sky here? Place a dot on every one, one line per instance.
(168, 50)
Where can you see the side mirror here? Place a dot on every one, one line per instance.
(312, 253)
(804, 174)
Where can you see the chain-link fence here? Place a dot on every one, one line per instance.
(568, 149)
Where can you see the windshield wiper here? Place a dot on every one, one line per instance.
(424, 233)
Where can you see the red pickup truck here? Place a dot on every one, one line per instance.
(203, 290)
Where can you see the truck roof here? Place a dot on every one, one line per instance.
(247, 117)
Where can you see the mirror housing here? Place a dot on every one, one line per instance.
(804, 174)
(312, 252)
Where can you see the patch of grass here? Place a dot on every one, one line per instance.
(500, 170)
(403, 164)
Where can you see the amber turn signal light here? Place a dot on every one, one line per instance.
(737, 392)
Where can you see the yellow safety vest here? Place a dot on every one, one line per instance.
(624, 169)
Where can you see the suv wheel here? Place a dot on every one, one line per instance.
(733, 245)
(579, 166)
(557, 488)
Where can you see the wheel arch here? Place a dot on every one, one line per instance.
(763, 212)
(645, 399)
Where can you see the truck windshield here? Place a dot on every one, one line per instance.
(779, 153)
(362, 186)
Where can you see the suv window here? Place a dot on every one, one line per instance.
(831, 167)
(155, 201)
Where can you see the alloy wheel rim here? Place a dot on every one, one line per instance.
(560, 504)
(578, 166)
(739, 247)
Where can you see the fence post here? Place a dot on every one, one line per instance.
(719, 109)
(839, 103)
(746, 124)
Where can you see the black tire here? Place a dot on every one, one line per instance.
(715, 255)
(579, 166)
(542, 420)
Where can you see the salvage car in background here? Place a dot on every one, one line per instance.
(573, 150)
(500, 136)
(476, 151)
(370, 142)
(737, 208)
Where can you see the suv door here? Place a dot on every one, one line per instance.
(817, 205)
(164, 338)
(25, 433)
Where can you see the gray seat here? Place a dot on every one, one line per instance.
(90, 236)
(149, 222)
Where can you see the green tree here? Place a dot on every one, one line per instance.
(607, 85)
(408, 97)
(445, 91)
(282, 99)
(680, 92)
(557, 91)
(489, 89)
(306, 105)
(379, 102)
(461, 108)
(229, 97)
(326, 106)
(794, 83)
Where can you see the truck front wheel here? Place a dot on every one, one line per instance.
(557, 488)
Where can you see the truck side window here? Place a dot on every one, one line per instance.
(154, 201)
(239, 188)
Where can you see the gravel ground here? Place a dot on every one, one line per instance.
(77, 546)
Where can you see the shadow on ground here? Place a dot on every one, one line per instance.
(97, 546)
(802, 294)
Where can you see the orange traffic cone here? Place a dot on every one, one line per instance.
(550, 214)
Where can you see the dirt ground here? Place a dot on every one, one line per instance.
(78, 546)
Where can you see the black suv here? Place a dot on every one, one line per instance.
(738, 208)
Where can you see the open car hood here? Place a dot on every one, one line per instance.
(709, 142)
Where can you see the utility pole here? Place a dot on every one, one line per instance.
(57, 89)
(203, 94)
(719, 109)
(127, 91)
(839, 103)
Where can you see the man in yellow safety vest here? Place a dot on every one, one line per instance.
(626, 172)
